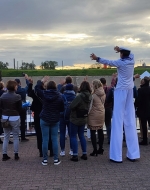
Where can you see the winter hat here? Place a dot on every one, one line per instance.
(69, 86)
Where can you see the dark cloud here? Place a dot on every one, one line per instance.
(105, 24)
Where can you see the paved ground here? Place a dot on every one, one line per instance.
(97, 173)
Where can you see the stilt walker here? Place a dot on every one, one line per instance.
(123, 112)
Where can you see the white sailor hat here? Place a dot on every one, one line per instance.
(125, 49)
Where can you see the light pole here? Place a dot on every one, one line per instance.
(62, 65)
(140, 61)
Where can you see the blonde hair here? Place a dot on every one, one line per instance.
(96, 84)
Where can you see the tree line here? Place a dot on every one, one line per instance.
(49, 65)
(4, 65)
(46, 65)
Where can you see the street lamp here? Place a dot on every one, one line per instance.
(140, 61)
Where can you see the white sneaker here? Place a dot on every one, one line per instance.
(62, 153)
(57, 162)
(71, 152)
(44, 162)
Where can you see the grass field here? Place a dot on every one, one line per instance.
(76, 72)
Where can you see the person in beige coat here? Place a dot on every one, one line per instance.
(96, 116)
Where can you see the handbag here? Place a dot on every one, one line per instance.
(5, 123)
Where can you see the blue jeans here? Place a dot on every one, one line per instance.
(62, 126)
(51, 129)
(15, 130)
(74, 130)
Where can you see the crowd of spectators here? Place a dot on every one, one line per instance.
(65, 106)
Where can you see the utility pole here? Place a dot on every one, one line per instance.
(32, 63)
(141, 61)
(17, 65)
(14, 64)
(62, 65)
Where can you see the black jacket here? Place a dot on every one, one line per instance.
(36, 105)
(52, 104)
(10, 104)
(142, 102)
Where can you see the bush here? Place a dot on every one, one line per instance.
(72, 72)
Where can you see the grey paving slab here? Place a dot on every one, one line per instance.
(94, 174)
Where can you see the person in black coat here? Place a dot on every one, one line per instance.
(22, 92)
(1, 92)
(142, 104)
(1, 129)
(36, 107)
(49, 118)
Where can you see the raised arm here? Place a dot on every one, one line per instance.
(105, 61)
(116, 63)
(30, 91)
(38, 90)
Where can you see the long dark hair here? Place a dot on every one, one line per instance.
(85, 86)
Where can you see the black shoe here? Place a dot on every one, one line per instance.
(5, 157)
(24, 140)
(84, 157)
(94, 153)
(143, 143)
(57, 162)
(10, 142)
(100, 151)
(131, 160)
(74, 158)
(115, 161)
(16, 156)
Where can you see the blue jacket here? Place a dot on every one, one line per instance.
(68, 95)
(52, 104)
(22, 91)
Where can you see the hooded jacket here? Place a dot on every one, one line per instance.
(82, 101)
(68, 95)
(52, 104)
(96, 115)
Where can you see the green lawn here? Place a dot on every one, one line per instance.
(76, 72)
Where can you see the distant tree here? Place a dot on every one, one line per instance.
(49, 65)
(4, 65)
(26, 66)
(31, 66)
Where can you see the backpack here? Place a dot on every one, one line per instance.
(67, 109)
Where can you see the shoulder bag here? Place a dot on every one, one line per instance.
(5, 123)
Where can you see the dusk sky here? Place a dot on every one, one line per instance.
(70, 30)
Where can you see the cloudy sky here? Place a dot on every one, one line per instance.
(70, 30)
